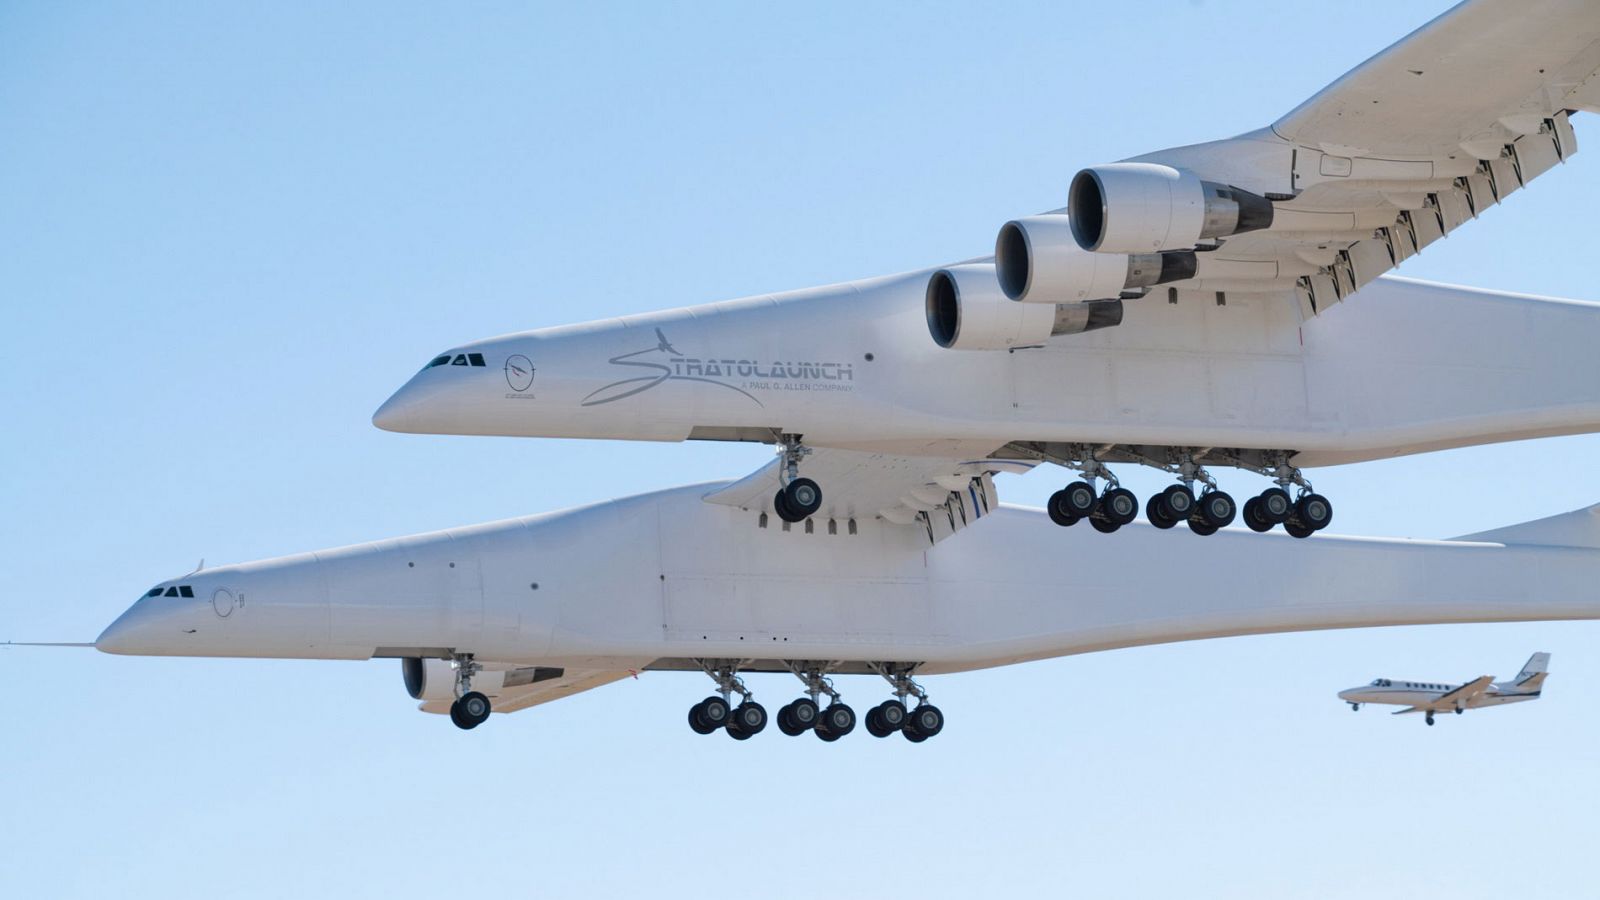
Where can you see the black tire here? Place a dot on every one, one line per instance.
(1156, 514)
(1120, 506)
(750, 716)
(838, 719)
(1177, 502)
(804, 497)
(1314, 511)
(1430, 719)
(1200, 526)
(736, 731)
(1253, 518)
(893, 715)
(1297, 529)
(826, 735)
(473, 708)
(1078, 499)
(1054, 510)
(786, 722)
(1459, 710)
(698, 722)
(1104, 526)
(455, 716)
(803, 714)
(714, 712)
(780, 505)
(874, 723)
(1275, 505)
(926, 720)
(913, 737)
(1217, 508)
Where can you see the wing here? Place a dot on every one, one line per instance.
(1465, 694)
(513, 688)
(939, 496)
(1401, 150)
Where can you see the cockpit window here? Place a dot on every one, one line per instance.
(185, 590)
(177, 590)
(154, 592)
(460, 359)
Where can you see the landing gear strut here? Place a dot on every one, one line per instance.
(742, 722)
(919, 723)
(470, 708)
(1301, 517)
(798, 498)
(1107, 512)
(805, 714)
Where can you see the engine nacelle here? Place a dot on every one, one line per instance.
(434, 681)
(1145, 207)
(1037, 260)
(968, 311)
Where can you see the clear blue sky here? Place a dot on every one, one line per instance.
(230, 231)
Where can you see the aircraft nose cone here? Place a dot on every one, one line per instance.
(123, 635)
(398, 413)
(1345, 694)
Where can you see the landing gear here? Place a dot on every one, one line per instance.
(470, 708)
(831, 722)
(742, 722)
(798, 717)
(798, 498)
(921, 722)
(1355, 707)
(1428, 716)
(1107, 512)
(1171, 506)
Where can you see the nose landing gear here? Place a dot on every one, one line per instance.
(470, 708)
(798, 498)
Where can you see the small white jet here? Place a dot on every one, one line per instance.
(1429, 697)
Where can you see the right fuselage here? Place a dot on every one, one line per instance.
(1402, 367)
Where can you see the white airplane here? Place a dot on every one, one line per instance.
(907, 395)
(1212, 305)
(1429, 697)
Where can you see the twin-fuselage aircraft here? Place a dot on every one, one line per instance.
(1221, 306)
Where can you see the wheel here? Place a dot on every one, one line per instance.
(1054, 509)
(926, 720)
(1200, 526)
(1104, 526)
(1157, 515)
(1297, 529)
(1120, 506)
(826, 735)
(697, 720)
(804, 496)
(780, 505)
(874, 723)
(1355, 707)
(1078, 499)
(1275, 505)
(1253, 517)
(1429, 717)
(1177, 501)
(803, 714)
(714, 712)
(1217, 508)
(1459, 710)
(786, 721)
(750, 717)
(470, 711)
(912, 736)
(892, 713)
(1314, 511)
(837, 720)
(737, 731)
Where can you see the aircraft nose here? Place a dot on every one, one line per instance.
(129, 634)
(1347, 693)
(398, 413)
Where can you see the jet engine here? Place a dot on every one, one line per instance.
(968, 311)
(434, 680)
(1144, 207)
(1038, 260)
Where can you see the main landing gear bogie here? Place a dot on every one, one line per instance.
(806, 714)
(1207, 512)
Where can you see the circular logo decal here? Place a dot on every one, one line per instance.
(222, 602)
(519, 373)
